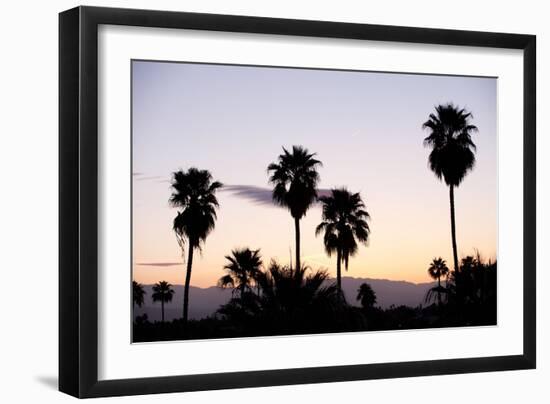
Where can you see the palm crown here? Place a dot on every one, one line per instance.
(194, 192)
(366, 295)
(138, 293)
(345, 223)
(242, 269)
(452, 154)
(295, 179)
(162, 292)
(438, 268)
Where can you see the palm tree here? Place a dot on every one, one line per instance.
(366, 295)
(194, 192)
(242, 269)
(290, 289)
(295, 179)
(291, 300)
(138, 292)
(344, 225)
(452, 155)
(437, 269)
(163, 293)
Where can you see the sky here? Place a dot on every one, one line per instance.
(365, 127)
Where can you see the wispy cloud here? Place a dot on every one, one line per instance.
(139, 176)
(159, 264)
(150, 178)
(255, 194)
(258, 195)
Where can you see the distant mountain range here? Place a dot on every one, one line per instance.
(205, 301)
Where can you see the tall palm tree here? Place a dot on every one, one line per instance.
(138, 293)
(453, 152)
(366, 295)
(345, 223)
(242, 270)
(294, 178)
(436, 270)
(163, 293)
(194, 192)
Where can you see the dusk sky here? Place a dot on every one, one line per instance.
(365, 127)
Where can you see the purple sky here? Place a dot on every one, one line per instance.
(365, 128)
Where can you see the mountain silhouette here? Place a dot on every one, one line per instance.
(205, 301)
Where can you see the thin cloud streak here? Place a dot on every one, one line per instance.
(259, 195)
(151, 178)
(159, 264)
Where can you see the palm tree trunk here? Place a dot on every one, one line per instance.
(297, 231)
(453, 227)
(439, 291)
(447, 287)
(483, 284)
(339, 269)
(187, 281)
(162, 309)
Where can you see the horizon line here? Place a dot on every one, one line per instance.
(334, 278)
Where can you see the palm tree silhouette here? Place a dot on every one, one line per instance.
(437, 269)
(290, 300)
(344, 224)
(295, 179)
(138, 293)
(452, 155)
(291, 289)
(366, 295)
(194, 192)
(242, 269)
(163, 293)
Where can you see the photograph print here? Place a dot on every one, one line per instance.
(274, 201)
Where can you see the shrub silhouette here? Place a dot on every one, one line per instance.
(366, 296)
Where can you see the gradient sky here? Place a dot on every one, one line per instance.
(365, 128)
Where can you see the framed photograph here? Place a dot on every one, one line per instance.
(269, 201)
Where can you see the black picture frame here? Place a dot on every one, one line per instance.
(78, 201)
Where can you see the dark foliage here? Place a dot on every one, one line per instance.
(294, 302)
(366, 296)
(138, 293)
